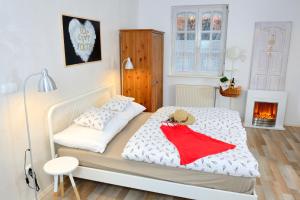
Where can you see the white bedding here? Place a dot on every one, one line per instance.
(80, 137)
(150, 145)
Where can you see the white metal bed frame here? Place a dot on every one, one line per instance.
(61, 116)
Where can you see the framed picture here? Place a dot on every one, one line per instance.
(82, 42)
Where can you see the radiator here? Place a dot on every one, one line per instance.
(195, 95)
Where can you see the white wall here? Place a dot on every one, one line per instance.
(31, 39)
(128, 13)
(242, 16)
(7, 187)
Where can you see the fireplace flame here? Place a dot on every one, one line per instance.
(264, 115)
(263, 110)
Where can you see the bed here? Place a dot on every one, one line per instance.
(111, 168)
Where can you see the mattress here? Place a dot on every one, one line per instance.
(112, 160)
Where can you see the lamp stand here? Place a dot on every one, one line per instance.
(46, 84)
(28, 134)
(122, 74)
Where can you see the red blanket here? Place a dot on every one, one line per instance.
(192, 145)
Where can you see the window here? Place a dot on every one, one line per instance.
(199, 36)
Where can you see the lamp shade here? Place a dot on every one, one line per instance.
(128, 64)
(46, 83)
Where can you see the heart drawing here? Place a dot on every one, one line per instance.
(83, 38)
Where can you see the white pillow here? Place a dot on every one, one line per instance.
(121, 97)
(94, 140)
(118, 122)
(132, 110)
(115, 104)
(76, 136)
(96, 118)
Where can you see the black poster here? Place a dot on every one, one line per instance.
(81, 40)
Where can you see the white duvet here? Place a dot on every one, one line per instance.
(150, 145)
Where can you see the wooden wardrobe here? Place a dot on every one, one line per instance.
(145, 81)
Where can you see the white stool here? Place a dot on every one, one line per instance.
(59, 167)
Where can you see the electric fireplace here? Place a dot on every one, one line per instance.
(265, 109)
(264, 114)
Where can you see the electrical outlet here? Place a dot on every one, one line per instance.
(27, 169)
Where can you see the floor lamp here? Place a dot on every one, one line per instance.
(46, 84)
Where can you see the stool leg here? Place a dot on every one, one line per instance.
(55, 186)
(61, 185)
(74, 187)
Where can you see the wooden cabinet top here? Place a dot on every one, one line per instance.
(148, 30)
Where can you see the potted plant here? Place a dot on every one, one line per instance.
(224, 82)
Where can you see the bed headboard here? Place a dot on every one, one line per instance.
(61, 115)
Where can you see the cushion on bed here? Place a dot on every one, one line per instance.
(132, 110)
(118, 103)
(96, 118)
(90, 139)
(121, 97)
(80, 137)
(118, 122)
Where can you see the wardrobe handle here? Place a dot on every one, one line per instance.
(155, 82)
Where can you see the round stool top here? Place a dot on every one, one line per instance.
(61, 165)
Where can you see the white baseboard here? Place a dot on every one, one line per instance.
(285, 124)
(46, 191)
(291, 124)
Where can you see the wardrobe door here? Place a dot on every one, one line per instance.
(145, 81)
(127, 49)
(160, 52)
(136, 81)
(157, 71)
(142, 69)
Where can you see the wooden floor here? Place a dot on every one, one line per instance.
(278, 153)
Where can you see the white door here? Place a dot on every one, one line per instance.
(270, 55)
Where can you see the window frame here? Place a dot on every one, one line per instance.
(223, 8)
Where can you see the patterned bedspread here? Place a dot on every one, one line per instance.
(150, 145)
